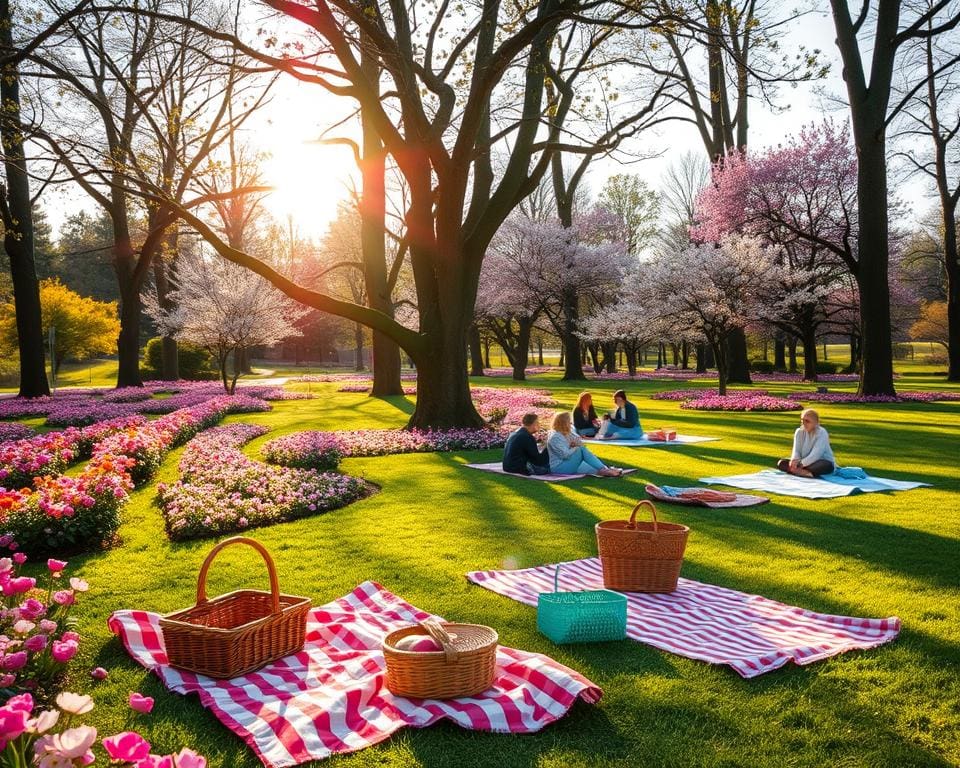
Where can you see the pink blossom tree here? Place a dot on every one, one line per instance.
(800, 196)
(708, 290)
(534, 267)
(224, 308)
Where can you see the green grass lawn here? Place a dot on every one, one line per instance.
(871, 555)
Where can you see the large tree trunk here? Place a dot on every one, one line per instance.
(128, 342)
(779, 353)
(18, 226)
(169, 360)
(720, 351)
(701, 354)
(792, 353)
(610, 357)
(443, 389)
(738, 360)
(476, 351)
(386, 353)
(572, 368)
(357, 347)
(521, 354)
(809, 353)
(876, 340)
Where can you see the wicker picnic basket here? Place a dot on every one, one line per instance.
(641, 556)
(465, 667)
(590, 616)
(238, 632)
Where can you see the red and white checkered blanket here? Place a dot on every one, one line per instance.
(750, 633)
(330, 697)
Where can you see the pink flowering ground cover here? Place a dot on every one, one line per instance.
(223, 490)
(682, 395)
(360, 387)
(64, 513)
(502, 406)
(853, 397)
(11, 432)
(738, 401)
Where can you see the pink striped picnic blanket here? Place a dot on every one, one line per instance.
(330, 697)
(752, 634)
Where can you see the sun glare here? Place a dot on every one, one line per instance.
(310, 180)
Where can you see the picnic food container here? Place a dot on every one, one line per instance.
(465, 667)
(641, 556)
(238, 632)
(590, 616)
(662, 435)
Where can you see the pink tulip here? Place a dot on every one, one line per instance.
(189, 759)
(64, 597)
(14, 661)
(63, 651)
(142, 704)
(13, 722)
(74, 743)
(156, 761)
(22, 702)
(36, 643)
(48, 626)
(127, 747)
(7, 680)
(32, 609)
(19, 585)
(78, 585)
(99, 673)
(19, 558)
(71, 636)
(56, 566)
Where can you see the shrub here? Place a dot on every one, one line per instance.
(825, 366)
(761, 366)
(195, 363)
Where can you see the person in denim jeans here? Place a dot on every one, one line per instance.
(624, 422)
(568, 456)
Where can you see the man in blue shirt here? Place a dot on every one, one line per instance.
(521, 456)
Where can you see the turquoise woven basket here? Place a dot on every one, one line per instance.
(591, 616)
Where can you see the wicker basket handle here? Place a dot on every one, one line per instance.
(271, 570)
(438, 633)
(556, 578)
(653, 511)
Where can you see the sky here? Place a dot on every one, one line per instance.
(311, 179)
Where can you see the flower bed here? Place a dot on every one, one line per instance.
(77, 408)
(10, 433)
(821, 377)
(531, 370)
(327, 378)
(222, 490)
(51, 453)
(55, 738)
(72, 513)
(366, 388)
(854, 398)
(36, 641)
(740, 402)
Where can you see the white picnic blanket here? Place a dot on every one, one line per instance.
(825, 487)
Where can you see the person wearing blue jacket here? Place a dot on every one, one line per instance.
(623, 423)
(521, 455)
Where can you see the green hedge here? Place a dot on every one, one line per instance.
(196, 363)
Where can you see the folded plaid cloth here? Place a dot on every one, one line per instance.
(330, 697)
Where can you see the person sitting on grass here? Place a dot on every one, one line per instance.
(521, 455)
(585, 420)
(623, 423)
(567, 453)
(812, 455)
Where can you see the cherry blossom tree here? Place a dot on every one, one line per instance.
(800, 196)
(629, 323)
(532, 267)
(224, 308)
(708, 290)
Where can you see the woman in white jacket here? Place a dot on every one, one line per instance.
(568, 456)
(812, 455)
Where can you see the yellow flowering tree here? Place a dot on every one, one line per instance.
(83, 327)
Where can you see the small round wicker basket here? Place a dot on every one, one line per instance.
(465, 667)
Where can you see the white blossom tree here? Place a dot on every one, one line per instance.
(630, 323)
(224, 307)
(707, 291)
